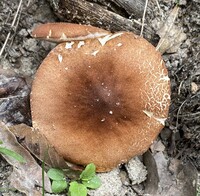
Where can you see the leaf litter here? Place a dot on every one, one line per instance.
(171, 36)
(25, 177)
(174, 167)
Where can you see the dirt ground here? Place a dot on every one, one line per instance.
(22, 55)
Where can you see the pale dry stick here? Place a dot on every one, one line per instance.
(137, 22)
(191, 114)
(178, 113)
(179, 88)
(29, 1)
(7, 18)
(12, 37)
(158, 5)
(2, 113)
(12, 97)
(12, 25)
(174, 15)
(176, 128)
(143, 17)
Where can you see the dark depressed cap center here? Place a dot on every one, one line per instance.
(101, 103)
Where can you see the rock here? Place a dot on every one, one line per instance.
(136, 171)
(111, 184)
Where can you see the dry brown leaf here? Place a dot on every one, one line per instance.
(171, 36)
(26, 177)
(38, 145)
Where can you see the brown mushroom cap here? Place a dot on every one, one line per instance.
(59, 32)
(102, 101)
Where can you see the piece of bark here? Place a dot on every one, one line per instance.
(133, 7)
(85, 12)
(124, 7)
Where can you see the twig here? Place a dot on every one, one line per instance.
(12, 97)
(191, 114)
(29, 1)
(12, 25)
(179, 88)
(179, 110)
(12, 38)
(143, 17)
(158, 5)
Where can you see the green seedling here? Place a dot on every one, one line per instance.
(59, 183)
(78, 187)
(12, 154)
(198, 191)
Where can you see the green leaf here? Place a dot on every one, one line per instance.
(58, 186)
(89, 172)
(93, 183)
(12, 154)
(77, 189)
(56, 174)
(1, 142)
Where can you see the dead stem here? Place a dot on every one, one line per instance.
(158, 5)
(143, 18)
(179, 110)
(12, 97)
(12, 25)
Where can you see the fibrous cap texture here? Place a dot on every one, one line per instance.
(101, 100)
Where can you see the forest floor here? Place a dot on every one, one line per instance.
(177, 150)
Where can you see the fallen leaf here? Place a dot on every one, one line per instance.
(151, 184)
(14, 98)
(171, 36)
(26, 177)
(191, 179)
(175, 178)
(39, 146)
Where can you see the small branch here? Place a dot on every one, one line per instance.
(179, 110)
(158, 5)
(90, 12)
(143, 18)
(191, 115)
(12, 25)
(12, 97)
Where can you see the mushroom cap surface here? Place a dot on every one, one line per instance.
(101, 100)
(60, 32)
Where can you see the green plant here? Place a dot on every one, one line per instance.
(198, 191)
(12, 154)
(177, 2)
(77, 187)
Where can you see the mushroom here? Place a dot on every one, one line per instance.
(101, 100)
(60, 32)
